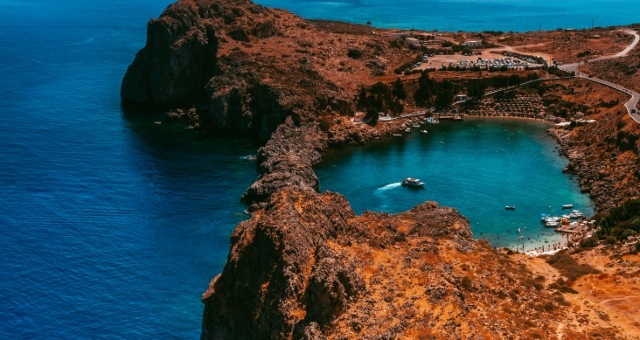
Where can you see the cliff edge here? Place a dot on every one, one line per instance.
(246, 68)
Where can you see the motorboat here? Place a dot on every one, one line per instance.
(552, 224)
(424, 131)
(411, 182)
(567, 206)
(510, 207)
(576, 214)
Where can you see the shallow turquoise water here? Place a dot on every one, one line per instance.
(476, 166)
(469, 15)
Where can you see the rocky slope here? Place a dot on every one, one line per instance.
(246, 67)
(306, 267)
(606, 154)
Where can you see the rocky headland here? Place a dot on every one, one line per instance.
(304, 265)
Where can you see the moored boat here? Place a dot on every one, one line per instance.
(567, 206)
(412, 183)
(552, 224)
(576, 214)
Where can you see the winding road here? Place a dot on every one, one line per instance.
(635, 96)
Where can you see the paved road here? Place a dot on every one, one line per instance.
(635, 96)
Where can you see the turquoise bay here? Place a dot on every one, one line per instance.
(468, 15)
(477, 166)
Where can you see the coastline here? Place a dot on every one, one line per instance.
(510, 118)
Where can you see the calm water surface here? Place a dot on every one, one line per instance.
(469, 15)
(112, 228)
(477, 166)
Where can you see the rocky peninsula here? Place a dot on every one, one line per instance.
(305, 266)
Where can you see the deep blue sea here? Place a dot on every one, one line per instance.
(112, 227)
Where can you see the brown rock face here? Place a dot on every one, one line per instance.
(235, 62)
(281, 277)
(306, 267)
(176, 63)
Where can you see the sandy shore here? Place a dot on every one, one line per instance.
(510, 118)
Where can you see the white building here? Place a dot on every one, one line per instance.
(472, 43)
(412, 41)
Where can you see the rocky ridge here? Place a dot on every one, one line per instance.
(304, 265)
(247, 68)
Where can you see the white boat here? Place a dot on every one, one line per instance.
(415, 125)
(510, 207)
(552, 224)
(407, 130)
(576, 214)
(424, 131)
(548, 218)
(385, 119)
(567, 206)
(412, 183)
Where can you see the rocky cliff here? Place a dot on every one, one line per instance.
(246, 67)
(306, 267)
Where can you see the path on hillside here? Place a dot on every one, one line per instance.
(619, 299)
(635, 96)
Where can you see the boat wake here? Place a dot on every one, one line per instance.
(389, 186)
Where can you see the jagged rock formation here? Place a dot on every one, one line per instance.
(246, 67)
(306, 267)
(286, 161)
(176, 62)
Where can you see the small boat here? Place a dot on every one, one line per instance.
(548, 218)
(412, 183)
(385, 119)
(552, 224)
(567, 206)
(416, 125)
(510, 207)
(576, 214)
(424, 131)
(407, 130)
(397, 134)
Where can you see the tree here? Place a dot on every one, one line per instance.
(398, 90)
(363, 100)
(444, 94)
(476, 89)
(423, 93)
(371, 117)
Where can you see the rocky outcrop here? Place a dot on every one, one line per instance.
(237, 63)
(176, 62)
(304, 266)
(280, 276)
(606, 157)
(287, 160)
